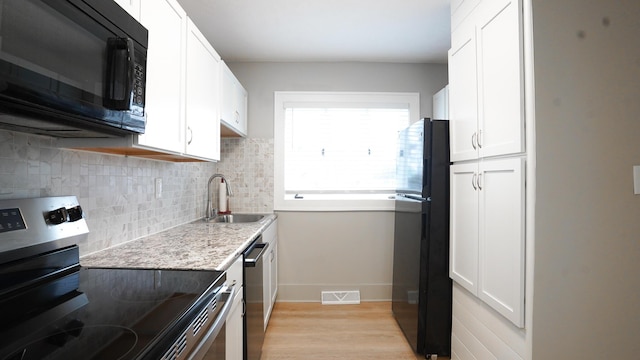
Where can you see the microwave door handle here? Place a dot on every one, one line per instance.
(131, 72)
(120, 73)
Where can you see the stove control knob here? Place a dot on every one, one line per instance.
(57, 216)
(75, 213)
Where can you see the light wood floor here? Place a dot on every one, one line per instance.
(322, 332)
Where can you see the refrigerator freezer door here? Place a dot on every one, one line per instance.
(409, 218)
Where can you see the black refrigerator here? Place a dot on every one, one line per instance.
(421, 292)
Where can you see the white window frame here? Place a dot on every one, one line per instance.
(331, 202)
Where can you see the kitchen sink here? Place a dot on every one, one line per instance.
(238, 218)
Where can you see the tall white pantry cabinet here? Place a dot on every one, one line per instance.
(486, 97)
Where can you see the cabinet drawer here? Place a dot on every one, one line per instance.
(270, 233)
(234, 273)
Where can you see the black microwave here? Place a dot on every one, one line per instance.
(71, 68)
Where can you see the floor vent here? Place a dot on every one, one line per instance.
(340, 297)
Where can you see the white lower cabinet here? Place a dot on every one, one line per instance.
(488, 232)
(235, 323)
(270, 277)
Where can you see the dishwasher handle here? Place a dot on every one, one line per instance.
(255, 255)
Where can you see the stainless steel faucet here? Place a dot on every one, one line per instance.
(211, 210)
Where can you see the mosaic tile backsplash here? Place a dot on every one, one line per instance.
(117, 193)
(248, 166)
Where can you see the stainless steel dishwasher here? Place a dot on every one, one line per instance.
(253, 297)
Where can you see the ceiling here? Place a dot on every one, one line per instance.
(408, 31)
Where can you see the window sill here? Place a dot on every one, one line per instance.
(337, 202)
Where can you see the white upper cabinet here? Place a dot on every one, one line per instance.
(441, 104)
(202, 96)
(486, 82)
(463, 97)
(500, 79)
(167, 23)
(234, 104)
(131, 6)
(460, 9)
(487, 233)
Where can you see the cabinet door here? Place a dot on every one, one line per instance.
(463, 252)
(228, 95)
(166, 22)
(270, 279)
(131, 6)
(234, 103)
(500, 78)
(501, 242)
(241, 109)
(202, 96)
(463, 98)
(441, 104)
(234, 325)
(234, 332)
(273, 273)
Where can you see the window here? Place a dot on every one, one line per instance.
(336, 151)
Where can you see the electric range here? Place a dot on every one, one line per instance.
(52, 308)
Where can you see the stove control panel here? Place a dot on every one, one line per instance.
(30, 225)
(11, 220)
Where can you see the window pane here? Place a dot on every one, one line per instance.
(341, 149)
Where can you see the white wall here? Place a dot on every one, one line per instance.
(335, 251)
(586, 300)
(331, 251)
(262, 79)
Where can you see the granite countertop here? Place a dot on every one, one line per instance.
(198, 245)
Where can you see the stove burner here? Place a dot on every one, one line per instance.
(76, 338)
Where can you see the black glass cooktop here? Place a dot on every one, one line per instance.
(91, 313)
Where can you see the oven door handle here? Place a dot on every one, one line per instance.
(203, 346)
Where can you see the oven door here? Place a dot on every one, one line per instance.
(74, 62)
(211, 346)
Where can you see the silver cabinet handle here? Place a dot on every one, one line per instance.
(190, 135)
(479, 182)
(474, 140)
(473, 181)
(479, 139)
